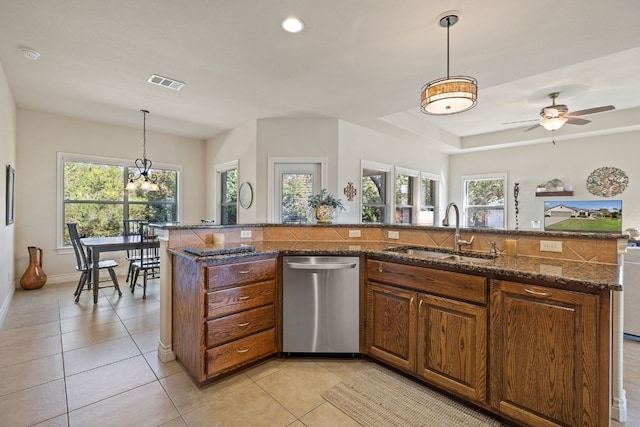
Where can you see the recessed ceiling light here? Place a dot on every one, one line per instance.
(293, 25)
(31, 54)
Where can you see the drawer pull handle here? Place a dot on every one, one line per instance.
(379, 269)
(244, 271)
(539, 294)
(411, 304)
(244, 324)
(244, 350)
(243, 298)
(420, 306)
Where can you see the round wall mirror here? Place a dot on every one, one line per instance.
(245, 195)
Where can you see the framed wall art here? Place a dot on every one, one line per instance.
(11, 179)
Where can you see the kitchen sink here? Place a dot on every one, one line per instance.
(439, 254)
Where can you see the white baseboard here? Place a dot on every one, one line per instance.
(72, 277)
(5, 306)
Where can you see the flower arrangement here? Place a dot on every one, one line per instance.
(324, 198)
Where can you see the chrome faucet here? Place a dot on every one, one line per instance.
(457, 242)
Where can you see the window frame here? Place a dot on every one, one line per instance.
(436, 195)
(389, 185)
(414, 194)
(220, 170)
(485, 177)
(63, 157)
(273, 180)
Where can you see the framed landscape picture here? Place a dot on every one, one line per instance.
(601, 216)
(11, 178)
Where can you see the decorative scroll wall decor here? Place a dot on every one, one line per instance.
(607, 181)
(516, 192)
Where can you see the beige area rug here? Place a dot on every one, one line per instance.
(380, 398)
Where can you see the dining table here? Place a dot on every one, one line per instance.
(97, 245)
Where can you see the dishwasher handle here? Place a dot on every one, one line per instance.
(321, 266)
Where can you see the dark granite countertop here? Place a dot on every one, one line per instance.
(531, 232)
(572, 273)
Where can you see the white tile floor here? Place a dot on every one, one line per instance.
(68, 364)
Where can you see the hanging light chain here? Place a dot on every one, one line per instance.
(144, 133)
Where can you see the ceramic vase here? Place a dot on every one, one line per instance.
(324, 214)
(34, 277)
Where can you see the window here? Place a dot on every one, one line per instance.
(296, 187)
(293, 180)
(428, 199)
(228, 179)
(416, 197)
(406, 183)
(94, 197)
(484, 200)
(375, 178)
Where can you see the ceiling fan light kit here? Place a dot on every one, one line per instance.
(553, 123)
(451, 94)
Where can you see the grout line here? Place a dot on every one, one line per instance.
(64, 370)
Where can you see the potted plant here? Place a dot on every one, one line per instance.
(324, 205)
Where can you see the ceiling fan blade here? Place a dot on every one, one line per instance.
(520, 121)
(591, 111)
(537, 125)
(577, 121)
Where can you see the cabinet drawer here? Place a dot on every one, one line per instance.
(229, 328)
(245, 272)
(240, 352)
(233, 300)
(438, 282)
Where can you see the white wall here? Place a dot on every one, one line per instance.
(237, 144)
(7, 157)
(571, 161)
(41, 135)
(342, 143)
(358, 143)
(294, 138)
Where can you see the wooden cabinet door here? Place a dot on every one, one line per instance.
(544, 369)
(452, 345)
(391, 325)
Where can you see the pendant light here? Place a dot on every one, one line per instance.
(451, 94)
(143, 165)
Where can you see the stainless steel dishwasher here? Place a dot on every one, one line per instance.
(320, 305)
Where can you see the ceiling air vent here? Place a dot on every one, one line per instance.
(166, 82)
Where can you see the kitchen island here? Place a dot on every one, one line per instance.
(508, 292)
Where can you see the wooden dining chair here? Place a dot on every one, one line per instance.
(131, 227)
(148, 261)
(85, 266)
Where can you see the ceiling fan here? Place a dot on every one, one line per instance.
(555, 115)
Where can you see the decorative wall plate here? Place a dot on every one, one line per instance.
(607, 181)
